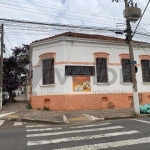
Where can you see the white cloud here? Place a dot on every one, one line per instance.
(97, 13)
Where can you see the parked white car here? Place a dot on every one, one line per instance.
(5, 97)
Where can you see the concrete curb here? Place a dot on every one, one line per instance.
(115, 118)
(6, 114)
(128, 117)
(144, 115)
(93, 118)
(42, 121)
(65, 120)
(35, 120)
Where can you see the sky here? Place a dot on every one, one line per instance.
(95, 13)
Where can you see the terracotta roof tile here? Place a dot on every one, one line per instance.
(89, 36)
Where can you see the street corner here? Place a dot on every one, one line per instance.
(8, 114)
(58, 119)
(76, 118)
(93, 118)
(65, 120)
(13, 118)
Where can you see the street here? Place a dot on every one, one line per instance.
(124, 134)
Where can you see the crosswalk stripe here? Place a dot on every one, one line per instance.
(76, 131)
(42, 142)
(110, 144)
(47, 129)
(6, 114)
(17, 123)
(143, 121)
(34, 126)
(93, 125)
(1, 122)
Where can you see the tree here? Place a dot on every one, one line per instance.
(15, 70)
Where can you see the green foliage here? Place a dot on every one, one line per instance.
(45, 108)
(15, 69)
(13, 119)
(135, 115)
(29, 106)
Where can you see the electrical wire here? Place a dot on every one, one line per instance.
(71, 16)
(25, 23)
(7, 53)
(8, 39)
(36, 5)
(33, 27)
(74, 11)
(141, 18)
(56, 24)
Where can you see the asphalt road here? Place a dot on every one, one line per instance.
(128, 134)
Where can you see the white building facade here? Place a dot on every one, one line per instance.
(75, 71)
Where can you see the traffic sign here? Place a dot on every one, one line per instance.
(132, 62)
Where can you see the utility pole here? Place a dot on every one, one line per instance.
(133, 74)
(1, 65)
(132, 13)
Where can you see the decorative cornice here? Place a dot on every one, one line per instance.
(47, 55)
(146, 57)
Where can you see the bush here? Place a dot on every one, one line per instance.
(29, 106)
(13, 119)
(45, 108)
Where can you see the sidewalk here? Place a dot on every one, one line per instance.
(21, 113)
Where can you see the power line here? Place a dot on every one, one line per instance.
(8, 39)
(27, 24)
(116, 43)
(46, 29)
(7, 52)
(43, 6)
(55, 24)
(43, 27)
(141, 18)
(71, 16)
(77, 10)
(7, 23)
(40, 28)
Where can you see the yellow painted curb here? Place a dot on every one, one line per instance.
(12, 116)
(78, 119)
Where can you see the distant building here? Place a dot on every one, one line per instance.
(74, 71)
(20, 90)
